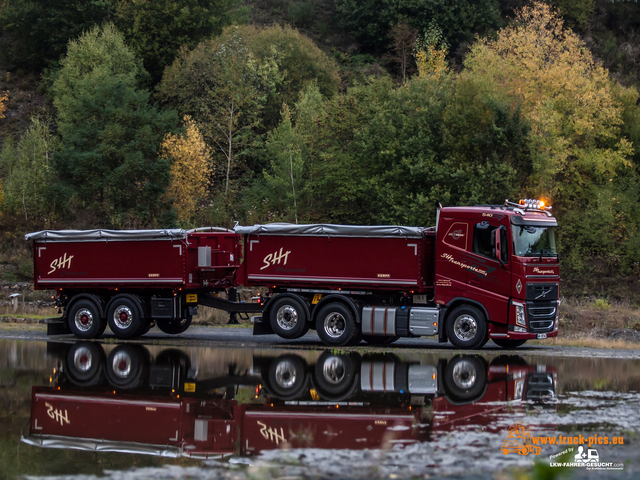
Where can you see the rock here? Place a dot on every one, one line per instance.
(626, 334)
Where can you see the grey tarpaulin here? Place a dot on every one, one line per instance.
(97, 235)
(324, 229)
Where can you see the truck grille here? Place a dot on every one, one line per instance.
(541, 316)
(539, 387)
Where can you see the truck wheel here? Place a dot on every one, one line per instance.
(287, 377)
(506, 343)
(379, 340)
(335, 325)
(84, 363)
(466, 327)
(174, 327)
(465, 377)
(124, 318)
(334, 375)
(288, 318)
(84, 320)
(125, 366)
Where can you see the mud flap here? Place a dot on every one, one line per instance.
(261, 327)
(57, 326)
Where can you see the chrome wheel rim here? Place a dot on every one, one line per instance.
(465, 327)
(83, 319)
(287, 317)
(121, 364)
(286, 374)
(335, 325)
(464, 374)
(82, 359)
(122, 317)
(333, 370)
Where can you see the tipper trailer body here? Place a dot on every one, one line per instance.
(484, 272)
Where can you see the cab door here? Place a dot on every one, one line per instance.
(489, 275)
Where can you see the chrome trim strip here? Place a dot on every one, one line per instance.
(99, 280)
(332, 280)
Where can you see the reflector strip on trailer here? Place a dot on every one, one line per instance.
(332, 280)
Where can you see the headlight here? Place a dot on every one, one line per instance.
(520, 317)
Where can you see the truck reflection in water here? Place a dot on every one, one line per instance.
(128, 401)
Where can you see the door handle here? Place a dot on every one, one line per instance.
(474, 282)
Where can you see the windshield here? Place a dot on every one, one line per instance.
(530, 241)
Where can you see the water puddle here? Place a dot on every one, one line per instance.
(85, 410)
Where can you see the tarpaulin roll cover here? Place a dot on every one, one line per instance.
(324, 229)
(97, 235)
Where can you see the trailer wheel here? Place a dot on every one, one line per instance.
(335, 325)
(124, 318)
(465, 377)
(466, 327)
(379, 340)
(84, 320)
(507, 343)
(125, 366)
(288, 377)
(84, 363)
(288, 318)
(334, 375)
(174, 327)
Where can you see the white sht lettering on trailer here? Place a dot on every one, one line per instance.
(275, 258)
(60, 263)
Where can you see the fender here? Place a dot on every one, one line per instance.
(95, 299)
(340, 298)
(442, 330)
(135, 299)
(267, 306)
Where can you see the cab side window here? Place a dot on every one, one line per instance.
(483, 240)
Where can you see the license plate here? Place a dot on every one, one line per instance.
(542, 335)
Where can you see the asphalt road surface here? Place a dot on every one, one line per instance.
(243, 337)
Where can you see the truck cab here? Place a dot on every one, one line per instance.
(497, 274)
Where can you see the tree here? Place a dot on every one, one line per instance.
(224, 88)
(190, 170)
(110, 133)
(287, 168)
(431, 51)
(371, 20)
(403, 39)
(156, 29)
(29, 171)
(567, 97)
(301, 62)
(36, 32)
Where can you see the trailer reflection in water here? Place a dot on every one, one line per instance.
(128, 400)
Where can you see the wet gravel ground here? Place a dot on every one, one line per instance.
(243, 337)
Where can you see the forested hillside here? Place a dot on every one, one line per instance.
(162, 113)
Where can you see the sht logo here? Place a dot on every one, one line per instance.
(60, 263)
(456, 234)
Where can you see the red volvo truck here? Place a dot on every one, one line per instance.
(483, 272)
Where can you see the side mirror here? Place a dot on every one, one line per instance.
(496, 241)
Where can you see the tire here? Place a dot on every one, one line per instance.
(379, 340)
(465, 377)
(84, 363)
(506, 343)
(174, 327)
(146, 326)
(84, 320)
(336, 326)
(288, 377)
(126, 366)
(467, 327)
(334, 375)
(288, 317)
(124, 317)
